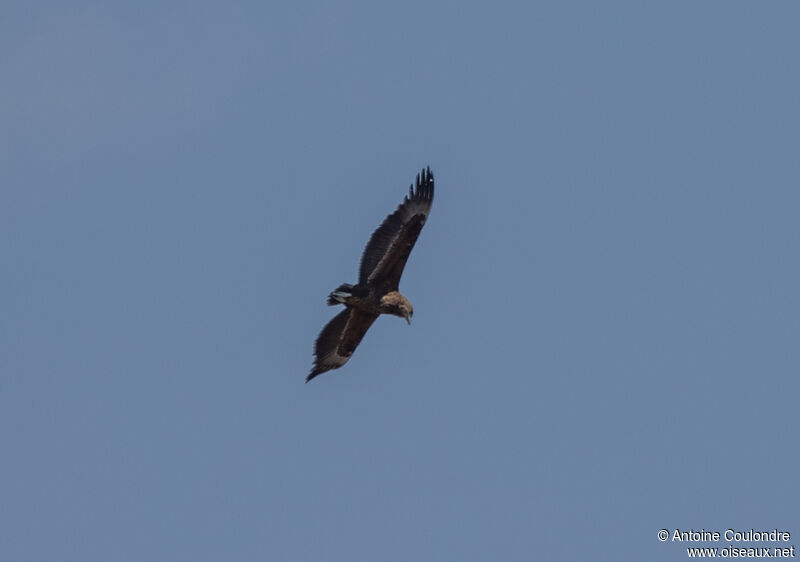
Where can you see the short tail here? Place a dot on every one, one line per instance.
(340, 295)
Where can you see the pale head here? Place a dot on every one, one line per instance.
(396, 304)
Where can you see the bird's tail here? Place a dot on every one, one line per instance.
(340, 295)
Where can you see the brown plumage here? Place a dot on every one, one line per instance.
(379, 275)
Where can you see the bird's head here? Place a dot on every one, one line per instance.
(396, 304)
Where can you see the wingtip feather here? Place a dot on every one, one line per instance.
(424, 185)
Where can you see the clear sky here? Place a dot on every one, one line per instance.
(605, 339)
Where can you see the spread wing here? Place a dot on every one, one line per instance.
(387, 251)
(338, 340)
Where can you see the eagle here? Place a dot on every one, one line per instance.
(377, 290)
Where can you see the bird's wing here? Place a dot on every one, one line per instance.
(388, 249)
(338, 340)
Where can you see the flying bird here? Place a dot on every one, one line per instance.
(376, 293)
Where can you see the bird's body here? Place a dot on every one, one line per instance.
(372, 300)
(376, 292)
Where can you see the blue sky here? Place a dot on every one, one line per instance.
(605, 338)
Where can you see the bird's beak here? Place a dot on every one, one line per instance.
(408, 319)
